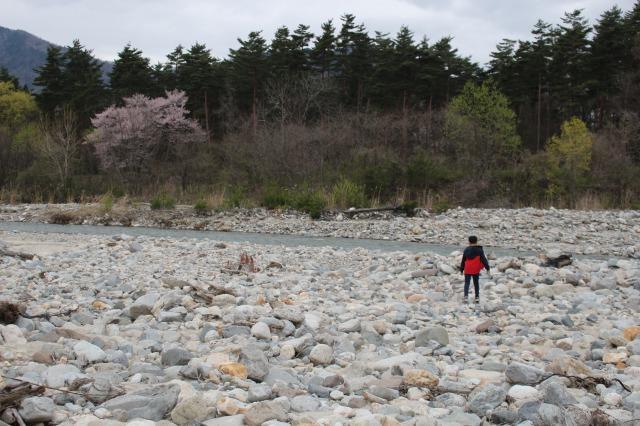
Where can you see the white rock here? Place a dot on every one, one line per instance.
(260, 330)
(89, 352)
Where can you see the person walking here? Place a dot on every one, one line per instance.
(473, 261)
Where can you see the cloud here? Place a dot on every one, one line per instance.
(158, 26)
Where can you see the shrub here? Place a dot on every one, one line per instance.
(312, 202)
(236, 198)
(409, 208)
(275, 197)
(348, 194)
(440, 206)
(202, 207)
(163, 201)
(106, 203)
(61, 218)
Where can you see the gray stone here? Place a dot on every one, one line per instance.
(350, 326)
(151, 403)
(438, 334)
(304, 403)
(384, 393)
(522, 374)
(278, 374)
(143, 305)
(487, 398)
(237, 420)
(451, 400)
(261, 330)
(529, 411)
(37, 409)
(58, 376)
(321, 354)
(89, 352)
(556, 393)
(259, 393)
(255, 361)
(459, 418)
(551, 415)
(176, 356)
(192, 410)
(261, 412)
(632, 402)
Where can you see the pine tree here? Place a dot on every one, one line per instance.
(608, 51)
(570, 60)
(249, 72)
(300, 51)
(50, 80)
(281, 52)
(6, 77)
(131, 74)
(405, 53)
(354, 61)
(199, 76)
(83, 90)
(323, 53)
(382, 79)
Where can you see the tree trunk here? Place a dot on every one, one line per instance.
(206, 117)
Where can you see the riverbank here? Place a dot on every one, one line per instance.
(196, 330)
(605, 233)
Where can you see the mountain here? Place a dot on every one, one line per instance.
(21, 52)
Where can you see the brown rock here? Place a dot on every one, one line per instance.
(234, 369)
(414, 298)
(484, 327)
(568, 366)
(631, 333)
(614, 357)
(421, 379)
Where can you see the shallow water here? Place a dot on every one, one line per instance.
(264, 238)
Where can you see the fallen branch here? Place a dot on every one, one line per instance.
(14, 397)
(20, 255)
(50, 314)
(588, 382)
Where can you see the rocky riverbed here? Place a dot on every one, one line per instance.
(604, 232)
(143, 331)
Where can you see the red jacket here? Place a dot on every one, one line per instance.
(473, 261)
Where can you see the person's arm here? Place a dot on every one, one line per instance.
(484, 260)
(464, 258)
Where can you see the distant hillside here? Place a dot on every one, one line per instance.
(22, 52)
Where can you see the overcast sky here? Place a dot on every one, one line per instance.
(158, 26)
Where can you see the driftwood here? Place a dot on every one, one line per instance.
(352, 212)
(14, 397)
(19, 255)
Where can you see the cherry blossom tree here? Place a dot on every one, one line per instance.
(144, 133)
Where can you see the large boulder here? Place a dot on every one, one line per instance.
(152, 403)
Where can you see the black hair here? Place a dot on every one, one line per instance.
(473, 239)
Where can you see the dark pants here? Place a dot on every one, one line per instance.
(476, 284)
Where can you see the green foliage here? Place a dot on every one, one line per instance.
(424, 172)
(380, 176)
(409, 208)
(276, 197)
(236, 197)
(16, 106)
(131, 74)
(163, 201)
(309, 201)
(569, 158)
(201, 207)
(440, 206)
(346, 193)
(106, 203)
(482, 126)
